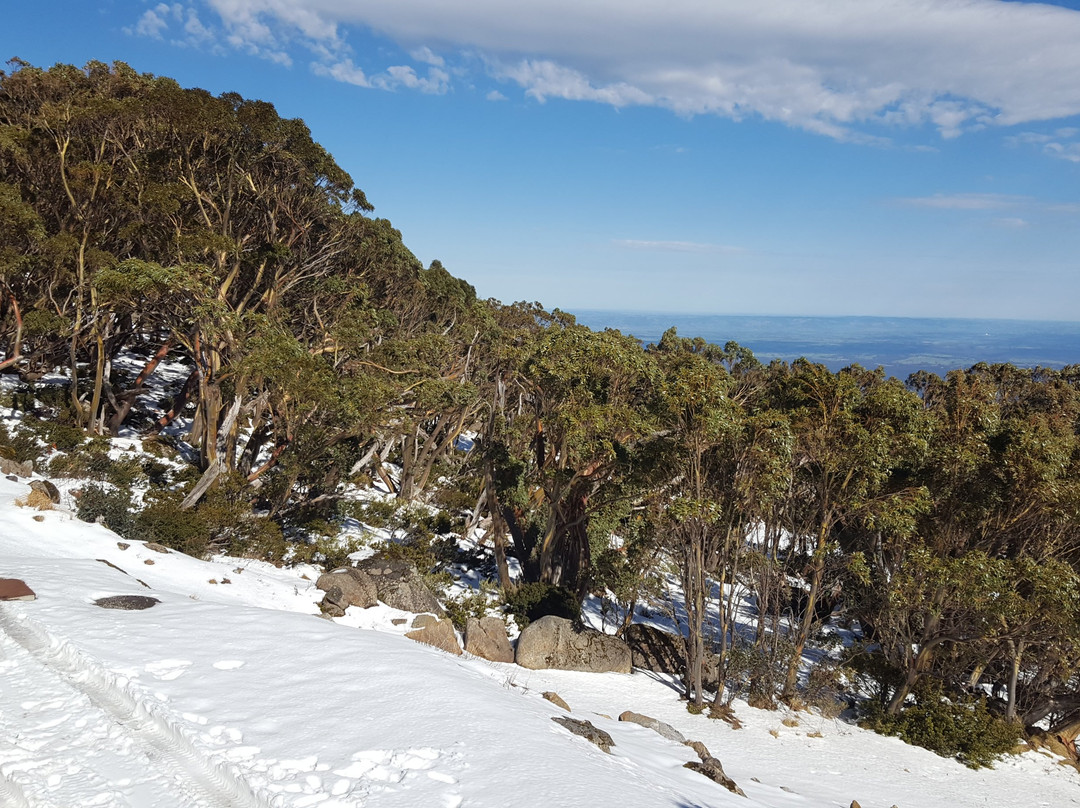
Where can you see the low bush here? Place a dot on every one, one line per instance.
(531, 601)
(963, 729)
(112, 506)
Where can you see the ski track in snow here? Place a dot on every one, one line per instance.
(132, 754)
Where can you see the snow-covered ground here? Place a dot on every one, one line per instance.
(233, 693)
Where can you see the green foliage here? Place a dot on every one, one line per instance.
(758, 670)
(964, 729)
(469, 604)
(112, 506)
(222, 522)
(531, 601)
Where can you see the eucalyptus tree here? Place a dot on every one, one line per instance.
(854, 431)
(720, 463)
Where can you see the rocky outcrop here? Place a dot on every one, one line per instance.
(486, 638)
(554, 642)
(439, 633)
(711, 768)
(587, 731)
(653, 649)
(344, 588)
(655, 725)
(399, 585)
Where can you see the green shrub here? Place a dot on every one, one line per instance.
(531, 601)
(111, 505)
(163, 521)
(965, 729)
(470, 604)
(222, 522)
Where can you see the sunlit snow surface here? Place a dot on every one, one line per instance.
(231, 695)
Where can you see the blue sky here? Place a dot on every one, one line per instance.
(852, 157)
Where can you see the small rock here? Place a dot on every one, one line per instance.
(123, 545)
(424, 620)
(439, 634)
(127, 603)
(212, 581)
(157, 548)
(39, 518)
(13, 478)
(587, 731)
(48, 489)
(333, 603)
(149, 562)
(398, 621)
(556, 699)
(226, 581)
(855, 804)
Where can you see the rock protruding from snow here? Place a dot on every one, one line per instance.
(399, 585)
(127, 603)
(344, 588)
(439, 633)
(555, 642)
(587, 731)
(711, 768)
(48, 489)
(653, 649)
(556, 699)
(11, 466)
(655, 725)
(15, 589)
(486, 638)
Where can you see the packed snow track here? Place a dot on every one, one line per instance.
(68, 727)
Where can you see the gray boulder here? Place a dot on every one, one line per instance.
(555, 642)
(486, 638)
(356, 588)
(399, 585)
(655, 725)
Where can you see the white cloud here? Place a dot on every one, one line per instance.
(152, 23)
(344, 71)
(967, 201)
(676, 246)
(843, 68)
(495, 95)
(427, 56)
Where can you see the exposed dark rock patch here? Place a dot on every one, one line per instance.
(128, 603)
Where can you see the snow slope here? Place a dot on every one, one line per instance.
(238, 695)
